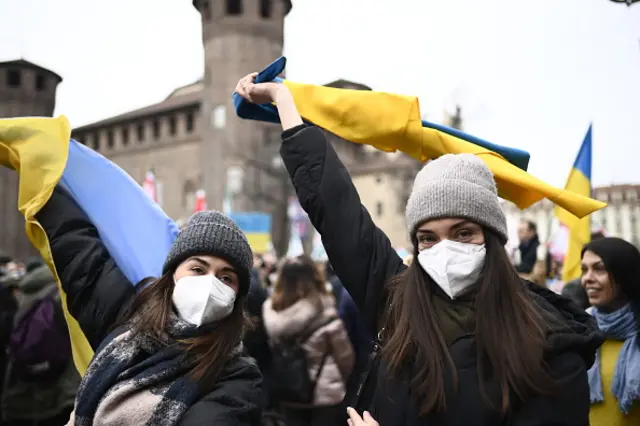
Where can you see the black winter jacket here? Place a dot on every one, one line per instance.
(364, 260)
(98, 294)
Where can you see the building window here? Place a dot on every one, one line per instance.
(189, 122)
(379, 209)
(40, 83)
(234, 7)
(206, 10)
(110, 141)
(172, 126)
(125, 136)
(140, 132)
(96, 143)
(86, 140)
(156, 129)
(265, 9)
(13, 78)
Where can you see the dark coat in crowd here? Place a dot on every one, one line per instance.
(363, 258)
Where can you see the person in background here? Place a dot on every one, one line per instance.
(44, 397)
(611, 279)
(301, 304)
(574, 290)
(471, 345)
(8, 306)
(527, 253)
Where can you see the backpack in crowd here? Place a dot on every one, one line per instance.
(291, 382)
(39, 345)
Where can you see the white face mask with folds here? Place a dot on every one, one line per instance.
(453, 266)
(202, 299)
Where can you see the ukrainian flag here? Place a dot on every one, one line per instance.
(392, 122)
(257, 227)
(579, 182)
(135, 231)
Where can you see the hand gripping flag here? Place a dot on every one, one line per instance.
(392, 122)
(135, 231)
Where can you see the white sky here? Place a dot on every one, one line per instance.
(529, 74)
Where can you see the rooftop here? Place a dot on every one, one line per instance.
(21, 63)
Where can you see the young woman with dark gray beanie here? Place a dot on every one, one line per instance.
(462, 340)
(170, 354)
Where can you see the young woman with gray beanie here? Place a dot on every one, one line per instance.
(170, 354)
(462, 340)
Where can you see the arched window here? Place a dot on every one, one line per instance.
(265, 9)
(234, 7)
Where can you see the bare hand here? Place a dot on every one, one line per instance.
(261, 93)
(356, 420)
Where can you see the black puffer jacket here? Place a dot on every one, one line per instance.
(364, 260)
(98, 294)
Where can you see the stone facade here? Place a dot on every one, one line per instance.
(26, 89)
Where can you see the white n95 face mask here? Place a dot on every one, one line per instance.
(453, 266)
(202, 299)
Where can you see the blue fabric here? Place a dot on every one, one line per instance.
(619, 325)
(269, 113)
(135, 230)
(583, 160)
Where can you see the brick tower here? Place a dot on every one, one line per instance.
(239, 37)
(26, 89)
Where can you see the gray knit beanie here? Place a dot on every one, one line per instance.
(215, 234)
(456, 185)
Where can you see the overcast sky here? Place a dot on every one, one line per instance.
(529, 74)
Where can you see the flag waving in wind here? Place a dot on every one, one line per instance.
(579, 182)
(133, 228)
(392, 122)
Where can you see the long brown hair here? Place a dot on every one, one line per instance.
(151, 312)
(299, 278)
(509, 334)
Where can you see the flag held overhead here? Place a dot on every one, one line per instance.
(133, 228)
(392, 122)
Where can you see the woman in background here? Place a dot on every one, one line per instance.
(611, 279)
(301, 303)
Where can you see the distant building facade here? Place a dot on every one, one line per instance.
(26, 89)
(621, 217)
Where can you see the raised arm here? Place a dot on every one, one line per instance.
(360, 253)
(97, 291)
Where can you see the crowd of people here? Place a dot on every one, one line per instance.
(461, 334)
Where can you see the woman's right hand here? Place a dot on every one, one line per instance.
(261, 93)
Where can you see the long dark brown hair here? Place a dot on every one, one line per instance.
(509, 334)
(299, 278)
(151, 312)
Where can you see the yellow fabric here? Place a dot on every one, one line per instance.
(608, 413)
(259, 242)
(37, 149)
(579, 229)
(392, 122)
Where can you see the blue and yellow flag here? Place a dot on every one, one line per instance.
(579, 182)
(135, 231)
(392, 122)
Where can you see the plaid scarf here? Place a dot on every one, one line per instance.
(138, 379)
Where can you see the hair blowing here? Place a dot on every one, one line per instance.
(151, 312)
(509, 335)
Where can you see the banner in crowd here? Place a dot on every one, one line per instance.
(257, 227)
(134, 229)
(392, 122)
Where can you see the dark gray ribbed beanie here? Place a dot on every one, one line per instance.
(215, 234)
(456, 185)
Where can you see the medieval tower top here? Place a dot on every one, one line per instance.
(27, 89)
(239, 37)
